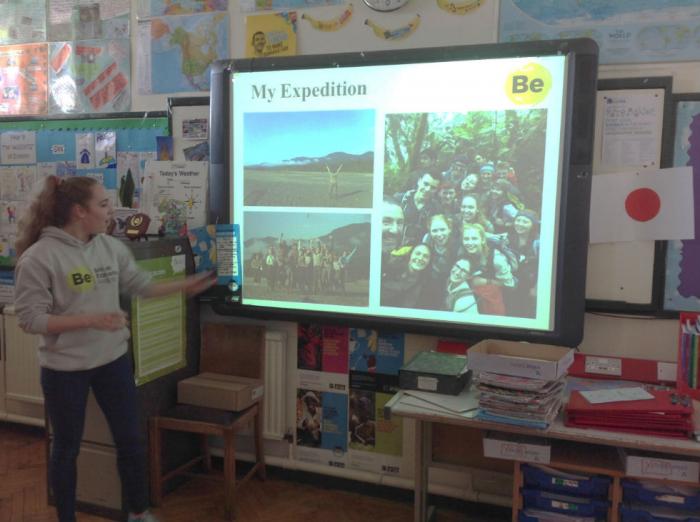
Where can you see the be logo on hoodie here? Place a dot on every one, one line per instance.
(81, 279)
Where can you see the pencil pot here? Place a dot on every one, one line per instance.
(688, 376)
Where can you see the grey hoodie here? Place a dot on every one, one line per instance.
(62, 275)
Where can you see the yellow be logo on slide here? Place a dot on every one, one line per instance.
(81, 280)
(528, 85)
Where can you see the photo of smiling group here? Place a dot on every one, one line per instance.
(461, 208)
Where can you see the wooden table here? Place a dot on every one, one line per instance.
(425, 418)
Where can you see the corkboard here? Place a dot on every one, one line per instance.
(233, 349)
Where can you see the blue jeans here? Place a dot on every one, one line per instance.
(65, 395)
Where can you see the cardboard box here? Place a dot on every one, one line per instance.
(652, 465)
(536, 361)
(516, 447)
(435, 372)
(217, 390)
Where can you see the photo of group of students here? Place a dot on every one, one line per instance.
(303, 256)
(462, 234)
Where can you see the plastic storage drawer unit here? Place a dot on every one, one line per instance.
(540, 477)
(570, 505)
(642, 514)
(672, 496)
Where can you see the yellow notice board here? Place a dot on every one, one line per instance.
(159, 323)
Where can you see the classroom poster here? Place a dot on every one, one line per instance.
(158, 324)
(23, 79)
(90, 76)
(176, 52)
(270, 5)
(375, 444)
(22, 21)
(174, 195)
(627, 31)
(322, 398)
(83, 20)
(682, 282)
(148, 8)
(85, 147)
(271, 35)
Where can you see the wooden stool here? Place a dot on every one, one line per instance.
(206, 421)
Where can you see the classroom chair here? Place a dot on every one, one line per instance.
(234, 350)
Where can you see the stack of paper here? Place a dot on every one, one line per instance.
(632, 410)
(519, 400)
(463, 405)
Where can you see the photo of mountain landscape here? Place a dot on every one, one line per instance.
(309, 159)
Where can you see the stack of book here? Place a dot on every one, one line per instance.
(521, 401)
(632, 410)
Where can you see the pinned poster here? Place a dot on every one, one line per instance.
(85, 150)
(90, 76)
(271, 35)
(106, 149)
(649, 205)
(18, 147)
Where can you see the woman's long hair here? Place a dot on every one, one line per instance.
(52, 207)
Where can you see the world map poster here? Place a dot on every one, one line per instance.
(627, 31)
(179, 7)
(176, 52)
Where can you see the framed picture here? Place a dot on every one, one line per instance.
(189, 128)
(682, 278)
(628, 277)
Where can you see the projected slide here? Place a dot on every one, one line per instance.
(406, 191)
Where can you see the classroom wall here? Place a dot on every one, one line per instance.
(611, 335)
(604, 334)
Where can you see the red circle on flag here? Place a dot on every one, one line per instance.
(643, 204)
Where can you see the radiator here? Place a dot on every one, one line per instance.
(274, 425)
(21, 364)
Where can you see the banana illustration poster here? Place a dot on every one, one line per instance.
(394, 33)
(269, 5)
(459, 7)
(333, 23)
(271, 35)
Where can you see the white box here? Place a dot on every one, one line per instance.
(514, 447)
(536, 361)
(651, 466)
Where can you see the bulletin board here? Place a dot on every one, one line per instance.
(109, 149)
(628, 277)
